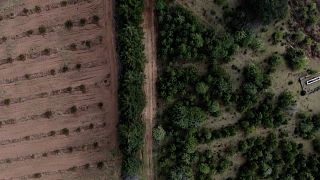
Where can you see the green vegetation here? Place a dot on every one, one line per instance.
(131, 94)
(307, 126)
(296, 58)
(270, 158)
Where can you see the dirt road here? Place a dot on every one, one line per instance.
(150, 86)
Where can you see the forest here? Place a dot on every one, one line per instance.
(194, 87)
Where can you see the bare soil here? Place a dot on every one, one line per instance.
(150, 87)
(62, 145)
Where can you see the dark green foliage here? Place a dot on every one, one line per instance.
(131, 48)
(186, 117)
(268, 114)
(296, 59)
(273, 61)
(285, 100)
(131, 93)
(267, 10)
(255, 80)
(270, 158)
(130, 12)
(131, 136)
(307, 126)
(207, 135)
(131, 165)
(181, 37)
(316, 145)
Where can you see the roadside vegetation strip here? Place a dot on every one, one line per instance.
(131, 87)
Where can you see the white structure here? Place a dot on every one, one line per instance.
(313, 80)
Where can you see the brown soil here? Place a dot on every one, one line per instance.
(31, 143)
(150, 86)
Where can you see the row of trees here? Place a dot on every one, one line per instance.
(131, 94)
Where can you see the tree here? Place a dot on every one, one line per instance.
(267, 10)
(186, 117)
(316, 145)
(286, 99)
(202, 88)
(204, 168)
(296, 58)
(159, 133)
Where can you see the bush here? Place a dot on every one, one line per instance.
(65, 131)
(73, 109)
(48, 114)
(68, 24)
(316, 145)
(82, 21)
(42, 29)
(267, 11)
(6, 102)
(296, 58)
(37, 9)
(95, 19)
(286, 99)
(159, 133)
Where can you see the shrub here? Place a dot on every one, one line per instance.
(68, 24)
(73, 46)
(316, 145)
(63, 3)
(78, 66)
(286, 99)
(296, 58)
(27, 76)
(65, 131)
(88, 43)
(100, 165)
(82, 21)
(159, 133)
(37, 9)
(53, 72)
(100, 105)
(48, 114)
(73, 109)
(82, 88)
(65, 68)
(95, 19)
(9, 60)
(22, 57)
(6, 102)
(46, 51)
(29, 32)
(42, 29)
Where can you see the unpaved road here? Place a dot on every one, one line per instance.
(32, 144)
(150, 86)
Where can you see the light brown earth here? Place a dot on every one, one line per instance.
(150, 87)
(30, 143)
